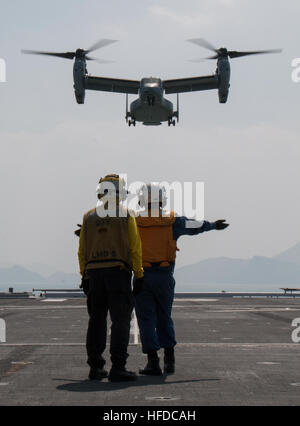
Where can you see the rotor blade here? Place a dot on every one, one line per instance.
(99, 60)
(101, 43)
(212, 57)
(104, 61)
(203, 43)
(234, 54)
(66, 55)
(203, 59)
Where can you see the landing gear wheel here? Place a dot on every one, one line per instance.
(131, 122)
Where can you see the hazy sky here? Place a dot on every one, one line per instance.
(53, 151)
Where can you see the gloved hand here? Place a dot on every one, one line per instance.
(220, 224)
(77, 232)
(138, 284)
(85, 284)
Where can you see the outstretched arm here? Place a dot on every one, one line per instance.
(185, 226)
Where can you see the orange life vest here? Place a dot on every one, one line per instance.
(158, 245)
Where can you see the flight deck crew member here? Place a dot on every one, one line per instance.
(154, 295)
(109, 250)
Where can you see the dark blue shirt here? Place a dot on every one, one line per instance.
(185, 226)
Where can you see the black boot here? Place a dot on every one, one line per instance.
(117, 374)
(169, 360)
(97, 373)
(152, 367)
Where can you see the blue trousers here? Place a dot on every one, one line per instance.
(153, 307)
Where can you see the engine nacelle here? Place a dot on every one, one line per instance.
(223, 72)
(79, 73)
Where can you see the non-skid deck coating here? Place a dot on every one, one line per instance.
(230, 351)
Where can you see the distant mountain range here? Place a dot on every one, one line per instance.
(257, 273)
(215, 274)
(290, 255)
(21, 278)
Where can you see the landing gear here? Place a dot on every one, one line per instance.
(131, 122)
(175, 114)
(170, 121)
(128, 114)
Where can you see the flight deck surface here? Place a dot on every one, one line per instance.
(230, 351)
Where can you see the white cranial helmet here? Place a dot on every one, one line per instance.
(153, 193)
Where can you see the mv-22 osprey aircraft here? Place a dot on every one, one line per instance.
(151, 107)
